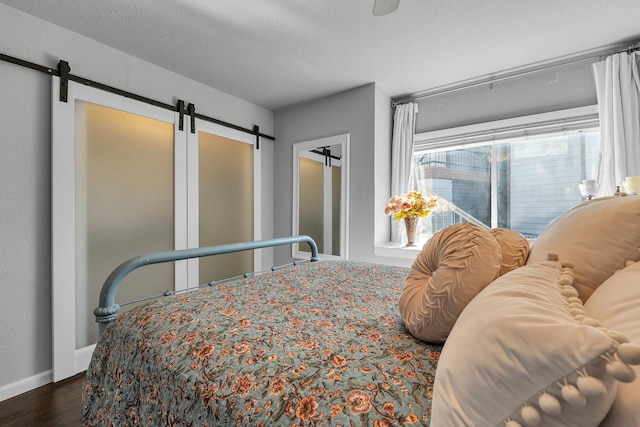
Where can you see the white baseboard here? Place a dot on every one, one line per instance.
(14, 389)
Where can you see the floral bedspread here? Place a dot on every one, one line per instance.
(313, 344)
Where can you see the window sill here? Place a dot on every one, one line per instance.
(392, 250)
(397, 251)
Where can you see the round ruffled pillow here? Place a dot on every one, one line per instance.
(514, 248)
(453, 266)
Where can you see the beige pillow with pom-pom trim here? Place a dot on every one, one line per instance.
(524, 353)
(599, 236)
(616, 304)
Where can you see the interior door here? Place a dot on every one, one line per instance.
(319, 200)
(224, 199)
(119, 190)
(127, 181)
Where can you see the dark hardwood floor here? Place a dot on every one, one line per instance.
(55, 405)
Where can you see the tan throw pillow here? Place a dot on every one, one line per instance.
(453, 266)
(514, 248)
(598, 236)
(616, 303)
(523, 353)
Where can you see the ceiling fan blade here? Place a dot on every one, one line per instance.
(383, 7)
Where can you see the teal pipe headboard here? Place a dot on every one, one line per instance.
(107, 309)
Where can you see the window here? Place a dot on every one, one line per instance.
(518, 173)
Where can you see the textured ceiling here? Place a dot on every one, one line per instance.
(275, 53)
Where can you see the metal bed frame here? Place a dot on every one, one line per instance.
(107, 309)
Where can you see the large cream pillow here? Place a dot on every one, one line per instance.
(453, 266)
(616, 303)
(598, 236)
(523, 353)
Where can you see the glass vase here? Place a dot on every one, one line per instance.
(410, 225)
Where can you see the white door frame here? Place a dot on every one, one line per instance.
(67, 360)
(193, 232)
(298, 150)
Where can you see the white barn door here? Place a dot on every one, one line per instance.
(116, 166)
(224, 199)
(127, 181)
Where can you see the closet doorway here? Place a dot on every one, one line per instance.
(127, 181)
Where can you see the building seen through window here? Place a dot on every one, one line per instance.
(521, 184)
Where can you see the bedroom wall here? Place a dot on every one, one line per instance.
(25, 156)
(555, 89)
(564, 87)
(364, 113)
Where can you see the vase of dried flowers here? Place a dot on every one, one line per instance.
(410, 207)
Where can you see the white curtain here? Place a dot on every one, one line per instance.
(618, 91)
(404, 123)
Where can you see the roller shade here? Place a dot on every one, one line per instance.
(558, 122)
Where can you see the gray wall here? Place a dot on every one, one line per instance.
(364, 113)
(352, 111)
(25, 156)
(559, 88)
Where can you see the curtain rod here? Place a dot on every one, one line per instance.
(56, 72)
(517, 72)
